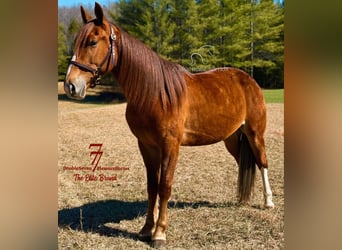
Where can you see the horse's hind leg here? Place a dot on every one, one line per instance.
(232, 144)
(256, 140)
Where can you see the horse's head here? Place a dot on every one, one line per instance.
(95, 53)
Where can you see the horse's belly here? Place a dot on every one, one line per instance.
(216, 108)
(196, 138)
(211, 130)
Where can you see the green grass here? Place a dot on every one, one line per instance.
(274, 95)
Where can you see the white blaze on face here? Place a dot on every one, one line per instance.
(70, 65)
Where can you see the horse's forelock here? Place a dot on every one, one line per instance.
(81, 38)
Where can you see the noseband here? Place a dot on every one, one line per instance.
(97, 74)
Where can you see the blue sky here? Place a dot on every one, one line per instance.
(70, 3)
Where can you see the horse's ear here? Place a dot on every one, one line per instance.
(85, 16)
(99, 13)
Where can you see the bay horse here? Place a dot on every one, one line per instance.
(169, 107)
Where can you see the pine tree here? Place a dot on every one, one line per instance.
(73, 29)
(62, 52)
(150, 21)
(158, 26)
(268, 47)
(128, 15)
(269, 41)
(205, 55)
(184, 16)
(201, 35)
(235, 32)
(252, 36)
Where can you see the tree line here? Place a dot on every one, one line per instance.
(198, 34)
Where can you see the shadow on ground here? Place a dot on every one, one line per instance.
(92, 217)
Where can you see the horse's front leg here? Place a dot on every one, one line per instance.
(151, 156)
(168, 164)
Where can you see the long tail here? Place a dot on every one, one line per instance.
(247, 170)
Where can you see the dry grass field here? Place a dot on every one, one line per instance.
(108, 214)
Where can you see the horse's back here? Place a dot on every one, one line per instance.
(217, 104)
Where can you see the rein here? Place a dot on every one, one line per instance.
(97, 71)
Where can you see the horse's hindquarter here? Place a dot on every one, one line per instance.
(216, 106)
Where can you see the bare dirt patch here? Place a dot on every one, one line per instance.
(203, 211)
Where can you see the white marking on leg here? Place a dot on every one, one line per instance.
(267, 188)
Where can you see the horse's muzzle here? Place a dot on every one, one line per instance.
(75, 91)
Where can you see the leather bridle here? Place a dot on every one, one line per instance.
(97, 74)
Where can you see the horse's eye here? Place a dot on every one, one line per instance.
(92, 43)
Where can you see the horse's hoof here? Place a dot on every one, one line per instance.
(144, 237)
(158, 244)
(269, 205)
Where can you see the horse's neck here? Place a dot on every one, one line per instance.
(146, 78)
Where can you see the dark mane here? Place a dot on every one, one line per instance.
(147, 77)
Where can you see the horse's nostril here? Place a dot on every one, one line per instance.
(72, 89)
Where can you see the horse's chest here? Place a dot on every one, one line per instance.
(154, 129)
(142, 126)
